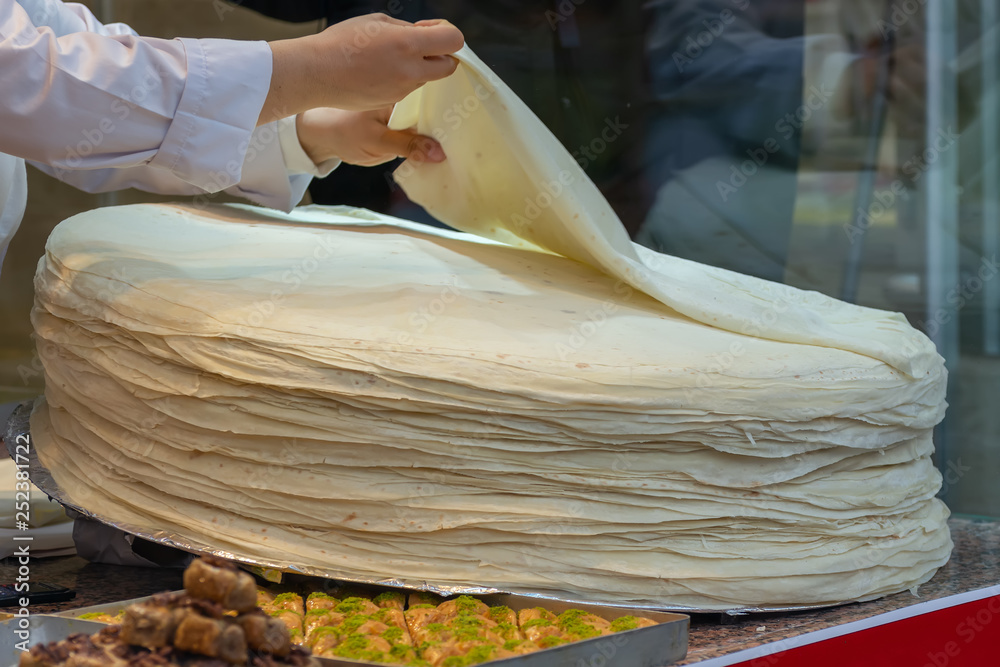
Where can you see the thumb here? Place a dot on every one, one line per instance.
(408, 144)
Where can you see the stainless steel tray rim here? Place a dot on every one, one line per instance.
(653, 646)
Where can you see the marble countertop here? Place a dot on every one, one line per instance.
(975, 564)
(93, 583)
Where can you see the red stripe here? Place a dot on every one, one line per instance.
(966, 635)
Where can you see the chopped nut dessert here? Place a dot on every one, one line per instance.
(347, 623)
(213, 623)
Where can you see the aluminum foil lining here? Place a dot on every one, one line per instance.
(18, 429)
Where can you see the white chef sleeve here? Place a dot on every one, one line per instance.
(275, 172)
(65, 18)
(182, 112)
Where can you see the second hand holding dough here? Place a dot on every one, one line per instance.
(361, 138)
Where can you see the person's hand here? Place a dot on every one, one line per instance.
(365, 63)
(361, 138)
(907, 83)
(907, 89)
(374, 61)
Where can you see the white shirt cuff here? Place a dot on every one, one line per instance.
(297, 161)
(224, 91)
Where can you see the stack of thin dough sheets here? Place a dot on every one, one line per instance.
(381, 400)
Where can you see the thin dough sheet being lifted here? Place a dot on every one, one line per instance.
(508, 178)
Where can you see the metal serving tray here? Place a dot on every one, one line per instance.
(42, 629)
(18, 429)
(109, 608)
(656, 646)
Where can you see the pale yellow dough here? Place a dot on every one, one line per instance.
(549, 410)
(508, 178)
(342, 390)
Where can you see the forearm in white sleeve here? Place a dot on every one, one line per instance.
(85, 101)
(65, 18)
(275, 172)
(276, 154)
